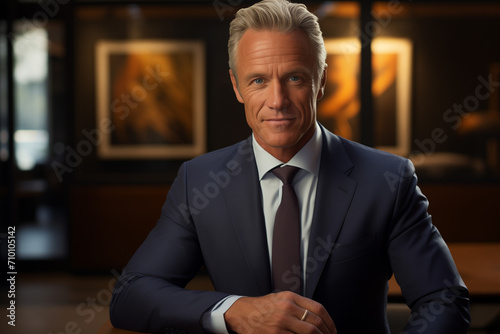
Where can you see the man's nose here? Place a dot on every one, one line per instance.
(278, 96)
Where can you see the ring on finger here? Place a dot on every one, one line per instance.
(304, 316)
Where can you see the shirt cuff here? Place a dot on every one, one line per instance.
(213, 321)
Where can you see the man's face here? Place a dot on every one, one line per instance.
(277, 84)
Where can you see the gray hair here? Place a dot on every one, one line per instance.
(277, 15)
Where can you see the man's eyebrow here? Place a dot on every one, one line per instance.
(253, 75)
(301, 70)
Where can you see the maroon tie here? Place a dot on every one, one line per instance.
(287, 269)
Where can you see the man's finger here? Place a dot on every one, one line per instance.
(316, 315)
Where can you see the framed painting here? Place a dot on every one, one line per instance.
(150, 99)
(339, 109)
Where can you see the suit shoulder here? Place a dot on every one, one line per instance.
(241, 151)
(362, 155)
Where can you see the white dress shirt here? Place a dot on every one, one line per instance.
(305, 183)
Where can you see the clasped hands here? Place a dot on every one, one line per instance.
(282, 312)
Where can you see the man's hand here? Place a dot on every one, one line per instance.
(279, 313)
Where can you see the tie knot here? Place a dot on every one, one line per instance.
(286, 173)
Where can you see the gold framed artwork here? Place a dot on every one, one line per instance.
(150, 99)
(339, 109)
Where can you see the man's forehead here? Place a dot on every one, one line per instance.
(265, 37)
(264, 47)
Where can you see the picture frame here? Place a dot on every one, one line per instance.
(150, 97)
(339, 109)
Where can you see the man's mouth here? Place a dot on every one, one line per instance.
(280, 120)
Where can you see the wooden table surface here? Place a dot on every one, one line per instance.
(478, 264)
(107, 328)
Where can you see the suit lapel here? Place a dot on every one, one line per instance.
(247, 215)
(333, 198)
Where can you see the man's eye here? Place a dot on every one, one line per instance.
(258, 81)
(294, 78)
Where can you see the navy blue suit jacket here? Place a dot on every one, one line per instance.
(370, 221)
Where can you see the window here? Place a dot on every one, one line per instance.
(31, 136)
(3, 95)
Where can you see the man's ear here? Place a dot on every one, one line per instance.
(322, 84)
(235, 87)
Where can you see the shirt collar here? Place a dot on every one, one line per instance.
(307, 158)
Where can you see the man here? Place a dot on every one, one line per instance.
(357, 225)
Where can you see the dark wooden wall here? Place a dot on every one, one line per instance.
(108, 223)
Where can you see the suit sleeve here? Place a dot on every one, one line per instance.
(423, 265)
(150, 296)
